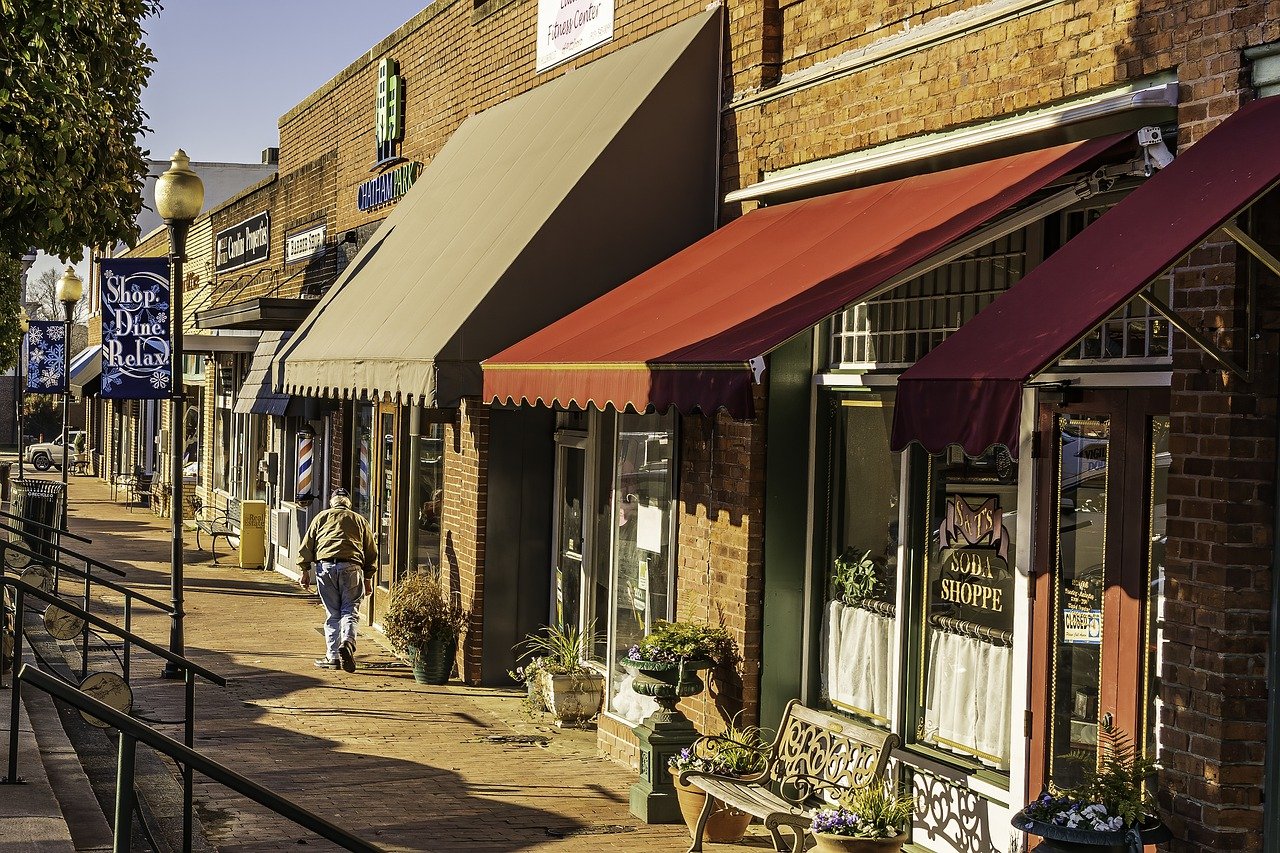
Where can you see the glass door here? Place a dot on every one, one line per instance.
(1104, 462)
(569, 559)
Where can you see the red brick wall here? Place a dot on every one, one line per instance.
(462, 528)
(720, 556)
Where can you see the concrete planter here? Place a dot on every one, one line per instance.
(572, 698)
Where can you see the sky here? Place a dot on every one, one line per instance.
(226, 70)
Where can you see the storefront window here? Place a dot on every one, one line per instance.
(362, 456)
(386, 493)
(222, 445)
(862, 569)
(192, 432)
(966, 607)
(427, 454)
(643, 492)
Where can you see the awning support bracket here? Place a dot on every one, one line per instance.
(1200, 339)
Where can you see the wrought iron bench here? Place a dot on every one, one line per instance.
(813, 759)
(214, 523)
(137, 489)
(125, 481)
(158, 497)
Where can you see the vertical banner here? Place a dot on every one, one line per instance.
(135, 329)
(46, 357)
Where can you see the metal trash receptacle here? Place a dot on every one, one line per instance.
(37, 503)
(6, 469)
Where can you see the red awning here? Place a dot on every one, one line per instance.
(685, 332)
(968, 391)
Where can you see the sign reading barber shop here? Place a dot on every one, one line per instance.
(135, 329)
(567, 28)
(46, 357)
(244, 243)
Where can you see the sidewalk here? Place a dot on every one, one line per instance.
(406, 766)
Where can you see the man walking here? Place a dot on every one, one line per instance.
(342, 546)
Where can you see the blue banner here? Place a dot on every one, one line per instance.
(135, 329)
(46, 357)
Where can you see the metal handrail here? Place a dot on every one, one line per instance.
(132, 731)
(52, 527)
(94, 561)
(188, 668)
(109, 584)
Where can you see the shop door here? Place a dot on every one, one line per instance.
(1099, 577)
(570, 547)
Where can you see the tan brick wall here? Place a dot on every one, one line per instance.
(463, 518)
(616, 741)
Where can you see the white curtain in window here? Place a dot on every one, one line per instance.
(858, 647)
(967, 695)
(627, 703)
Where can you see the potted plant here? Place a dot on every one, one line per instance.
(856, 580)
(674, 652)
(874, 819)
(1110, 810)
(737, 752)
(424, 623)
(557, 677)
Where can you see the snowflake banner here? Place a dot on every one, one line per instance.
(46, 357)
(136, 362)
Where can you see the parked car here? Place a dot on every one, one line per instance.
(44, 455)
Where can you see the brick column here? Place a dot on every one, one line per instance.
(463, 516)
(1221, 534)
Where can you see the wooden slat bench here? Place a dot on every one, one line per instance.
(813, 759)
(213, 523)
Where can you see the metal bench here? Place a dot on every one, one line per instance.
(82, 462)
(814, 759)
(124, 481)
(158, 497)
(137, 489)
(215, 523)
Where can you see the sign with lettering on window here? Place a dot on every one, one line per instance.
(567, 28)
(974, 582)
(136, 363)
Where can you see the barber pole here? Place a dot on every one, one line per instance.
(302, 490)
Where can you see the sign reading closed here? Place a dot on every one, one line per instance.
(567, 28)
(244, 243)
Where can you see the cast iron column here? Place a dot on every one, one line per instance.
(177, 250)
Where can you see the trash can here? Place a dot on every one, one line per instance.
(37, 503)
(6, 468)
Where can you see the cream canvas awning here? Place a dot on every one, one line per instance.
(533, 208)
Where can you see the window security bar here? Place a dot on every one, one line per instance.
(131, 732)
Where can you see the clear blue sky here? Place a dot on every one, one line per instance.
(226, 70)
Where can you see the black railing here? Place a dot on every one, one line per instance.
(34, 557)
(50, 527)
(132, 732)
(189, 670)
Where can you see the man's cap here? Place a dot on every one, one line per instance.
(341, 493)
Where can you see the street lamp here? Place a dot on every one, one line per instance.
(24, 324)
(70, 290)
(179, 198)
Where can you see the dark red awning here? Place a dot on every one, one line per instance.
(685, 332)
(968, 391)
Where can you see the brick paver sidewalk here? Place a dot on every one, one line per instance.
(406, 766)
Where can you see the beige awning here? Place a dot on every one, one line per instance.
(533, 208)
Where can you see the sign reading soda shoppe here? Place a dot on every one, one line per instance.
(135, 329)
(973, 582)
(244, 243)
(567, 28)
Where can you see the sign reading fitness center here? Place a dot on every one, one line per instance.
(567, 28)
(244, 243)
(135, 329)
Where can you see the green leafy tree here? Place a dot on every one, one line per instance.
(71, 84)
(10, 293)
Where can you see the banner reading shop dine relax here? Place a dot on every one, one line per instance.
(135, 329)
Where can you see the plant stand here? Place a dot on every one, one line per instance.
(663, 734)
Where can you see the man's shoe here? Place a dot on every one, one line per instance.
(347, 655)
(326, 663)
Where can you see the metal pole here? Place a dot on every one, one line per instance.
(15, 691)
(189, 739)
(84, 645)
(124, 795)
(22, 404)
(66, 404)
(177, 249)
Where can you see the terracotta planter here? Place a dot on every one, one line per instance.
(572, 698)
(826, 843)
(725, 826)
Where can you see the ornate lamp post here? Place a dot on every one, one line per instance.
(70, 290)
(24, 323)
(179, 198)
